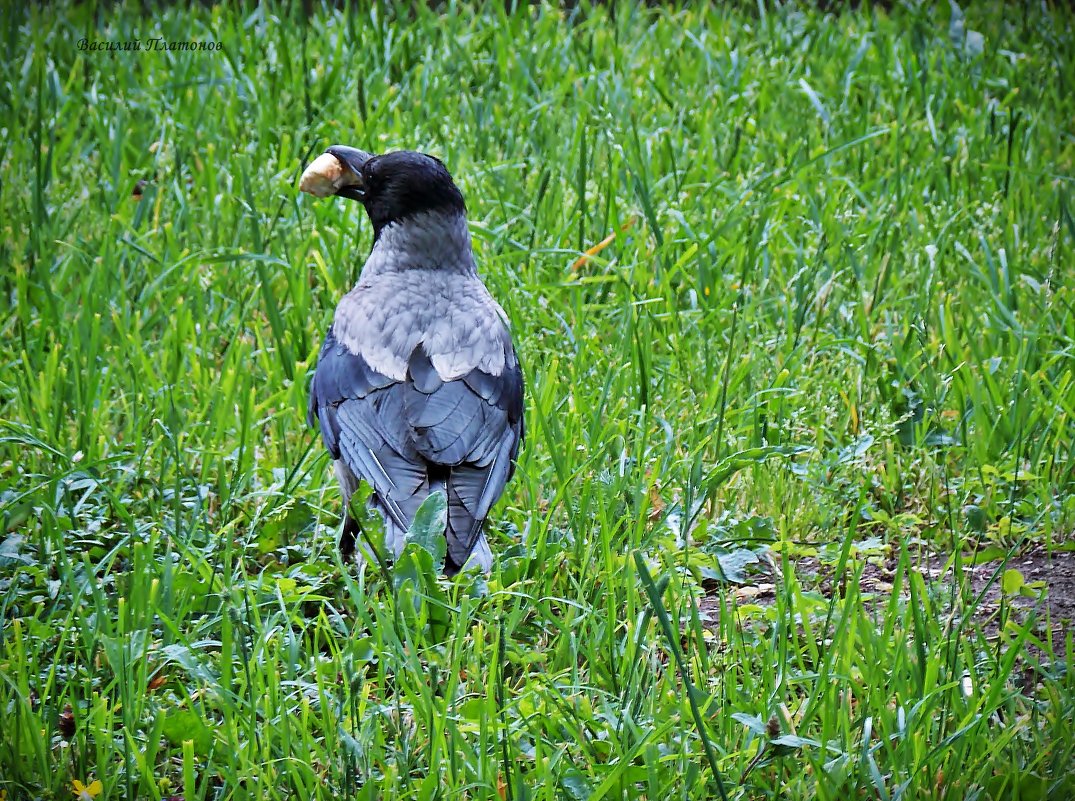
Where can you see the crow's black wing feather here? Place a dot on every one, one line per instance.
(472, 425)
(363, 422)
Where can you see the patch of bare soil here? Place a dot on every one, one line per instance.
(1054, 600)
(1049, 587)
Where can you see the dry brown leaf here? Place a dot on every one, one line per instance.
(592, 251)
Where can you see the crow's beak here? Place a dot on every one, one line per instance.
(337, 171)
(352, 159)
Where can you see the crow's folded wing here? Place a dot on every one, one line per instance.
(474, 426)
(363, 422)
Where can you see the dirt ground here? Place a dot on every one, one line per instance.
(1056, 571)
(1053, 598)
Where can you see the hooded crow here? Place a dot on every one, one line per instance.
(417, 388)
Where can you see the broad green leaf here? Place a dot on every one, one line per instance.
(412, 566)
(752, 722)
(186, 724)
(1012, 581)
(991, 553)
(11, 551)
(427, 529)
(789, 743)
(576, 785)
(731, 465)
(732, 567)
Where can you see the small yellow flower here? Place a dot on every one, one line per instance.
(86, 793)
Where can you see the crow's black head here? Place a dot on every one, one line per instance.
(395, 186)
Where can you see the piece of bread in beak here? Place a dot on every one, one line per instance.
(325, 176)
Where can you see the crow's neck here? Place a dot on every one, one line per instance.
(430, 240)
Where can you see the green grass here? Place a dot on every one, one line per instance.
(835, 327)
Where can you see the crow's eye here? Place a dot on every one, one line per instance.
(371, 176)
